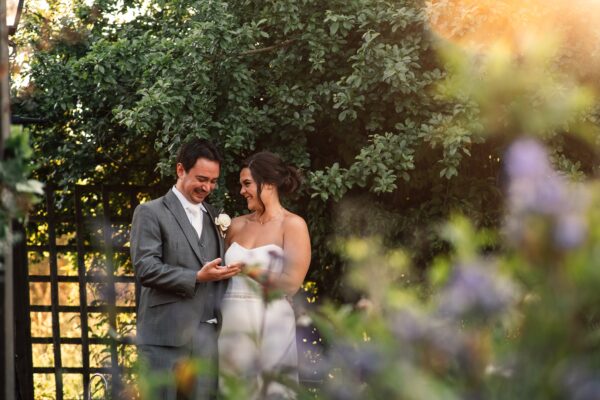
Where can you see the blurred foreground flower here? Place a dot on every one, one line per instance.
(581, 384)
(186, 373)
(541, 201)
(437, 341)
(31, 186)
(476, 291)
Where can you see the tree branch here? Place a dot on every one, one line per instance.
(269, 48)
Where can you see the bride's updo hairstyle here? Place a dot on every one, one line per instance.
(268, 168)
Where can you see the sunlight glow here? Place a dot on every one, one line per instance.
(564, 31)
(478, 24)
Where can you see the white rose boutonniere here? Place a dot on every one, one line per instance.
(223, 221)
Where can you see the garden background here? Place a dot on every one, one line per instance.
(399, 114)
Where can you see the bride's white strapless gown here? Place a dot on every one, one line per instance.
(256, 337)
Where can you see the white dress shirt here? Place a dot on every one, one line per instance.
(194, 212)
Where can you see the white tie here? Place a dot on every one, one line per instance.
(196, 219)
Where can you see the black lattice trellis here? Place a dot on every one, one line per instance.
(78, 239)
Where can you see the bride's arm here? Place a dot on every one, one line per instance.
(296, 253)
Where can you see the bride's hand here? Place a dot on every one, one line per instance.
(237, 264)
(212, 271)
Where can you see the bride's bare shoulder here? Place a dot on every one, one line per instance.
(239, 221)
(294, 221)
(295, 232)
(237, 224)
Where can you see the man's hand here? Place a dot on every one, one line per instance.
(212, 271)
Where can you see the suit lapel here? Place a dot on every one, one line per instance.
(211, 214)
(174, 205)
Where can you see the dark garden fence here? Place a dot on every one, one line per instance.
(76, 293)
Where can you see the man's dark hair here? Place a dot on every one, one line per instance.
(194, 149)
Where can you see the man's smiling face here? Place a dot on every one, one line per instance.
(197, 183)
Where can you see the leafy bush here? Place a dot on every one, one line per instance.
(346, 90)
(18, 193)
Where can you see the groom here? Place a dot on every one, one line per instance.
(177, 252)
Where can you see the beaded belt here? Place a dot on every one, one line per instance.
(242, 296)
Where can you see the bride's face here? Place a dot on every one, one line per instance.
(249, 190)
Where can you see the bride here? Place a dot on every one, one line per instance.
(257, 343)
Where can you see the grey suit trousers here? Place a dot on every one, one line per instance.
(187, 372)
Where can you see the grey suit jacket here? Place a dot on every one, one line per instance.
(166, 255)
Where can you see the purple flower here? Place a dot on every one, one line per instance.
(360, 361)
(476, 290)
(351, 366)
(570, 231)
(533, 185)
(581, 384)
(420, 331)
(410, 327)
(536, 190)
(276, 255)
(527, 159)
(343, 391)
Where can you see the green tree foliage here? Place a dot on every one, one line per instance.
(18, 194)
(346, 90)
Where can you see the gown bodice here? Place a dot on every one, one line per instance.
(268, 258)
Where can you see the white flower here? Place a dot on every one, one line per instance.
(223, 221)
(31, 186)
